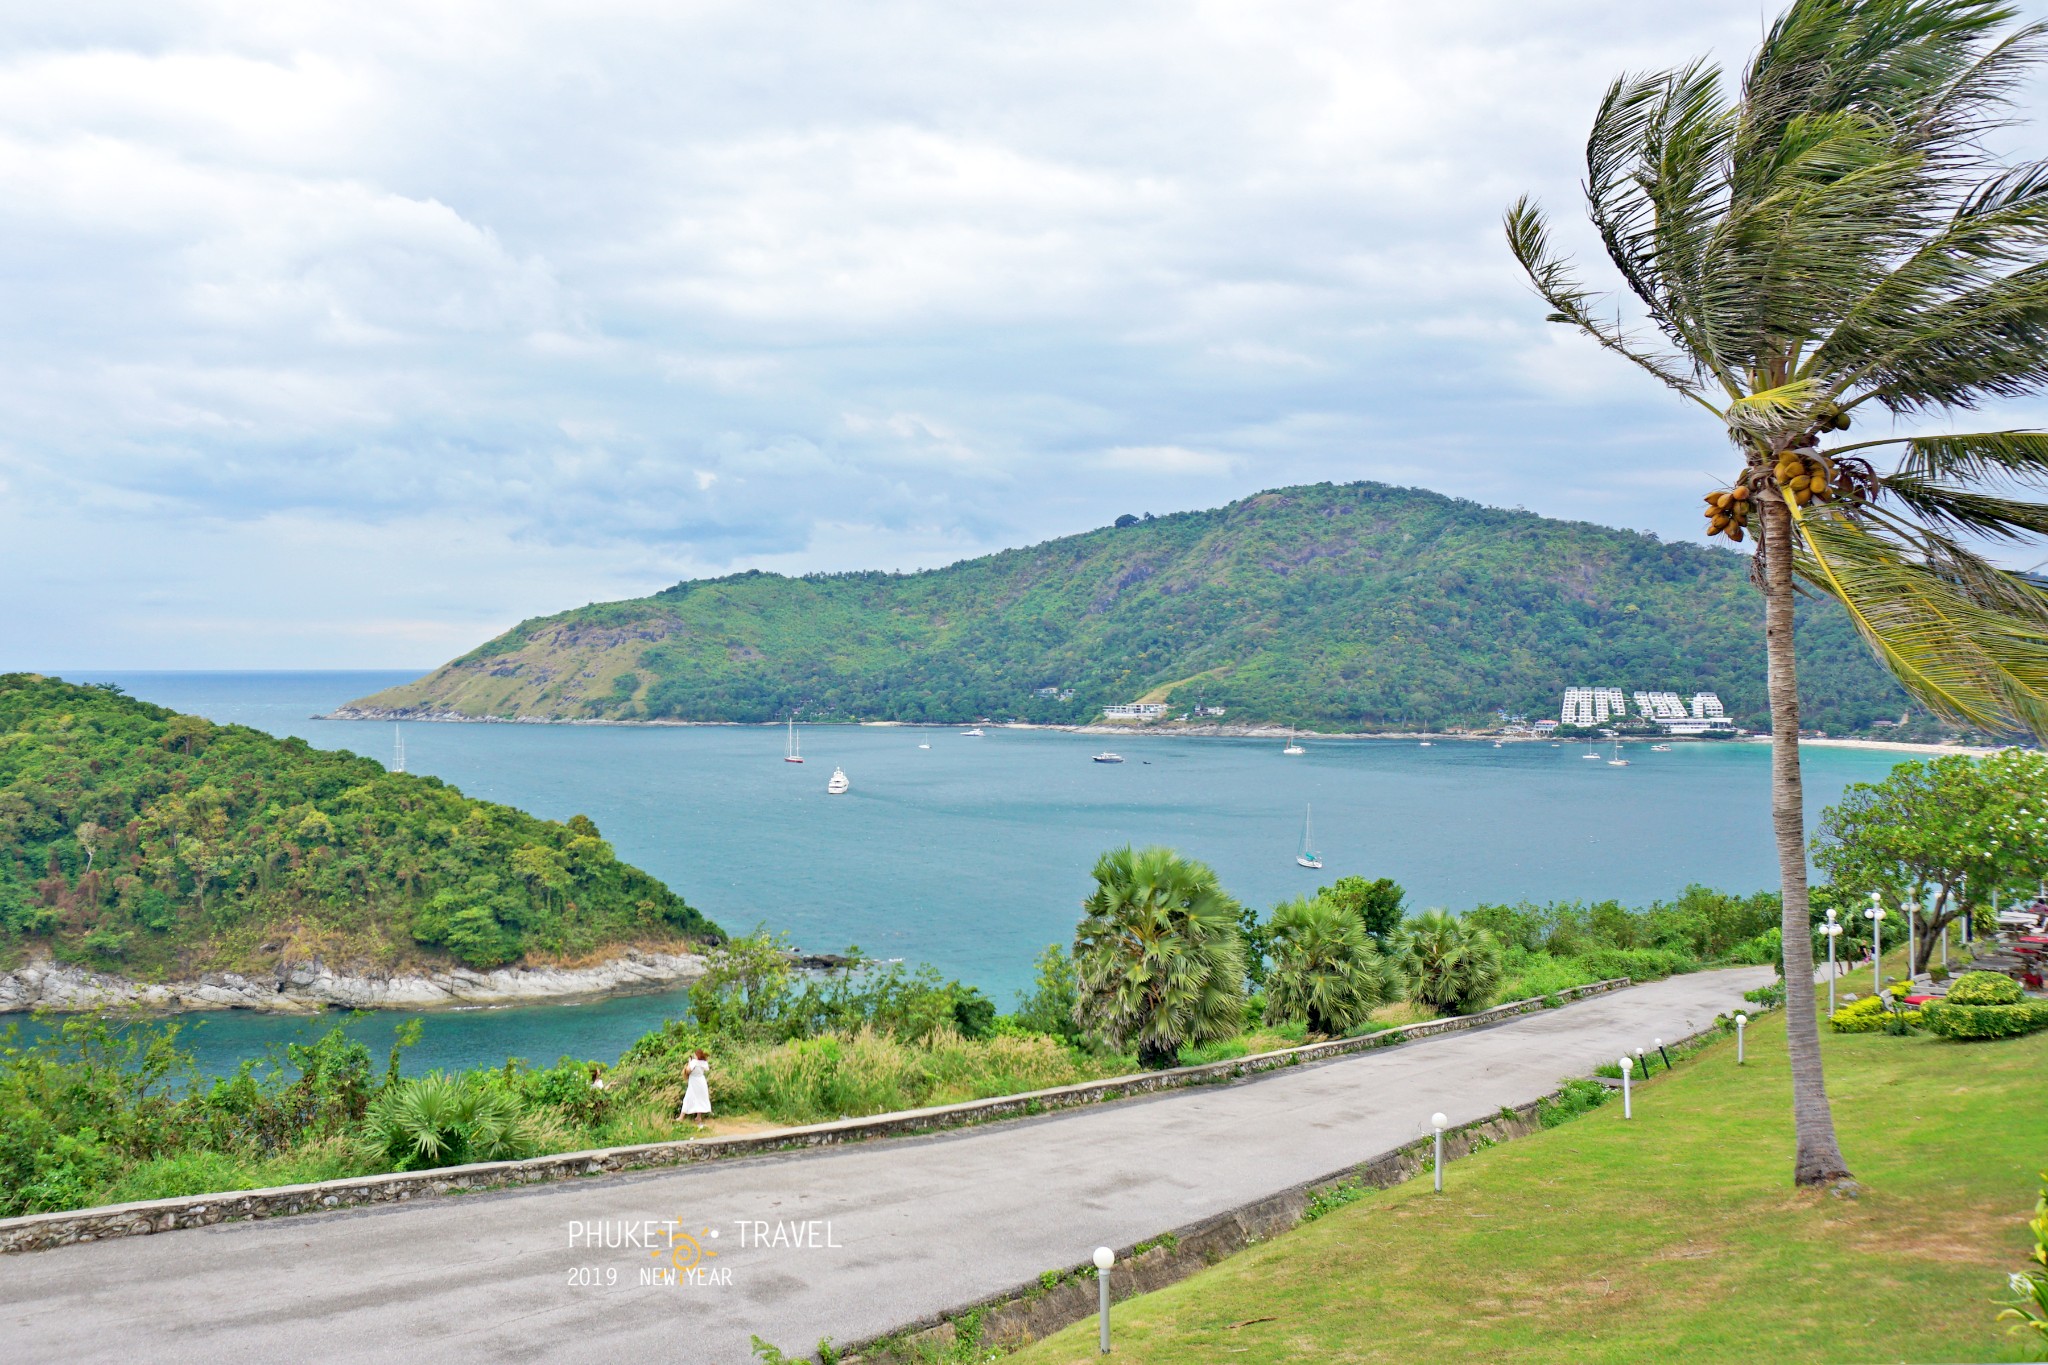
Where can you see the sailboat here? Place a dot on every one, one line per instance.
(1292, 747)
(838, 786)
(789, 753)
(1591, 752)
(1308, 857)
(1617, 761)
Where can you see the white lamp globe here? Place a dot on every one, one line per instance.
(1741, 1018)
(1438, 1120)
(1104, 1258)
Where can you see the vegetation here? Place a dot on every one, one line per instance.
(1326, 973)
(1341, 606)
(1839, 234)
(137, 839)
(2027, 1310)
(1452, 966)
(1952, 837)
(1662, 1237)
(1158, 958)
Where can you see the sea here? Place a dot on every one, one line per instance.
(972, 854)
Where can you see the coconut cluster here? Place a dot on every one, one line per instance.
(1802, 475)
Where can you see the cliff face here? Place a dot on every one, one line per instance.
(1336, 607)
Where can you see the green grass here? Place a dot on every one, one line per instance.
(1677, 1235)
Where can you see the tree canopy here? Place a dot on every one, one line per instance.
(136, 838)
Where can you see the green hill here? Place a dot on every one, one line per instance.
(153, 843)
(1349, 607)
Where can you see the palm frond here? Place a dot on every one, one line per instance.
(1529, 238)
(2019, 455)
(1956, 650)
(1964, 510)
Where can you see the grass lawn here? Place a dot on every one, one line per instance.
(1677, 1235)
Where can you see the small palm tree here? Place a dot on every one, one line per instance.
(1158, 956)
(1452, 967)
(439, 1120)
(1326, 973)
(1836, 240)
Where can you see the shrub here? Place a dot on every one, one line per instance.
(439, 1120)
(1870, 1015)
(1974, 1022)
(1984, 988)
(1451, 966)
(1325, 972)
(1638, 964)
(1575, 1097)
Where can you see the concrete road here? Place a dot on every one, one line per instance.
(872, 1235)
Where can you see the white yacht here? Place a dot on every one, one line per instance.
(1107, 757)
(1660, 748)
(789, 748)
(975, 733)
(838, 786)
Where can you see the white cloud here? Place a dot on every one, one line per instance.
(347, 333)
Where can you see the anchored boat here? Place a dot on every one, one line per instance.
(1308, 857)
(838, 786)
(789, 750)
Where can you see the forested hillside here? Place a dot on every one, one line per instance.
(149, 842)
(1351, 607)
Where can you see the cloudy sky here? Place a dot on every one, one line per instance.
(349, 334)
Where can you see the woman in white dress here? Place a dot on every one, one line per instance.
(697, 1098)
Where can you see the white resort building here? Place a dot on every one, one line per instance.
(1588, 707)
(1137, 710)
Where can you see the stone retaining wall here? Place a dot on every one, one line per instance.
(40, 1231)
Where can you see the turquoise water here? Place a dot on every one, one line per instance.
(973, 854)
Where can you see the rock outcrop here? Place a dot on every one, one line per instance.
(309, 986)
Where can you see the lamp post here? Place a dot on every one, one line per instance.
(1833, 931)
(1741, 1021)
(1104, 1259)
(1438, 1121)
(1875, 914)
(1639, 1062)
(1659, 1043)
(1627, 1062)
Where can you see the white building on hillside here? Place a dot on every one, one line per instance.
(1137, 710)
(1590, 706)
(1659, 706)
(1707, 706)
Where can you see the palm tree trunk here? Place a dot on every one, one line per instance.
(1817, 1158)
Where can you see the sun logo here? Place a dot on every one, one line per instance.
(686, 1252)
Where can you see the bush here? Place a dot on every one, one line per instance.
(439, 1120)
(1871, 1015)
(1575, 1097)
(1972, 1022)
(1638, 964)
(1984, 988)
(1452, 967)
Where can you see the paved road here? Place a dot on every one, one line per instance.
(915, 1225)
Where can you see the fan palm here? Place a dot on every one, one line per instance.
(1452, 966)
(1835, 237)
(1326, 972)
(1158, 956)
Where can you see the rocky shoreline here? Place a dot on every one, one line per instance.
(308, 987)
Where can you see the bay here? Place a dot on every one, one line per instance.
(973, 854)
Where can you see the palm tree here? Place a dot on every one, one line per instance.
(1326, 972)
(1158, 957)
(1452, 967)
(1836, 236)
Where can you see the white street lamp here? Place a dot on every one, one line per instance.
(1438, 1121)
(1833, 931)
(1627, 1062)
(1104, 1259)
(1875, 914)
(1741, 1022)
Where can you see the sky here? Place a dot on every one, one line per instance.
(348, 335)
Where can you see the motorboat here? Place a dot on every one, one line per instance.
(838, 786)
(1660, 748)
(975, 733)
(1106, 757)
